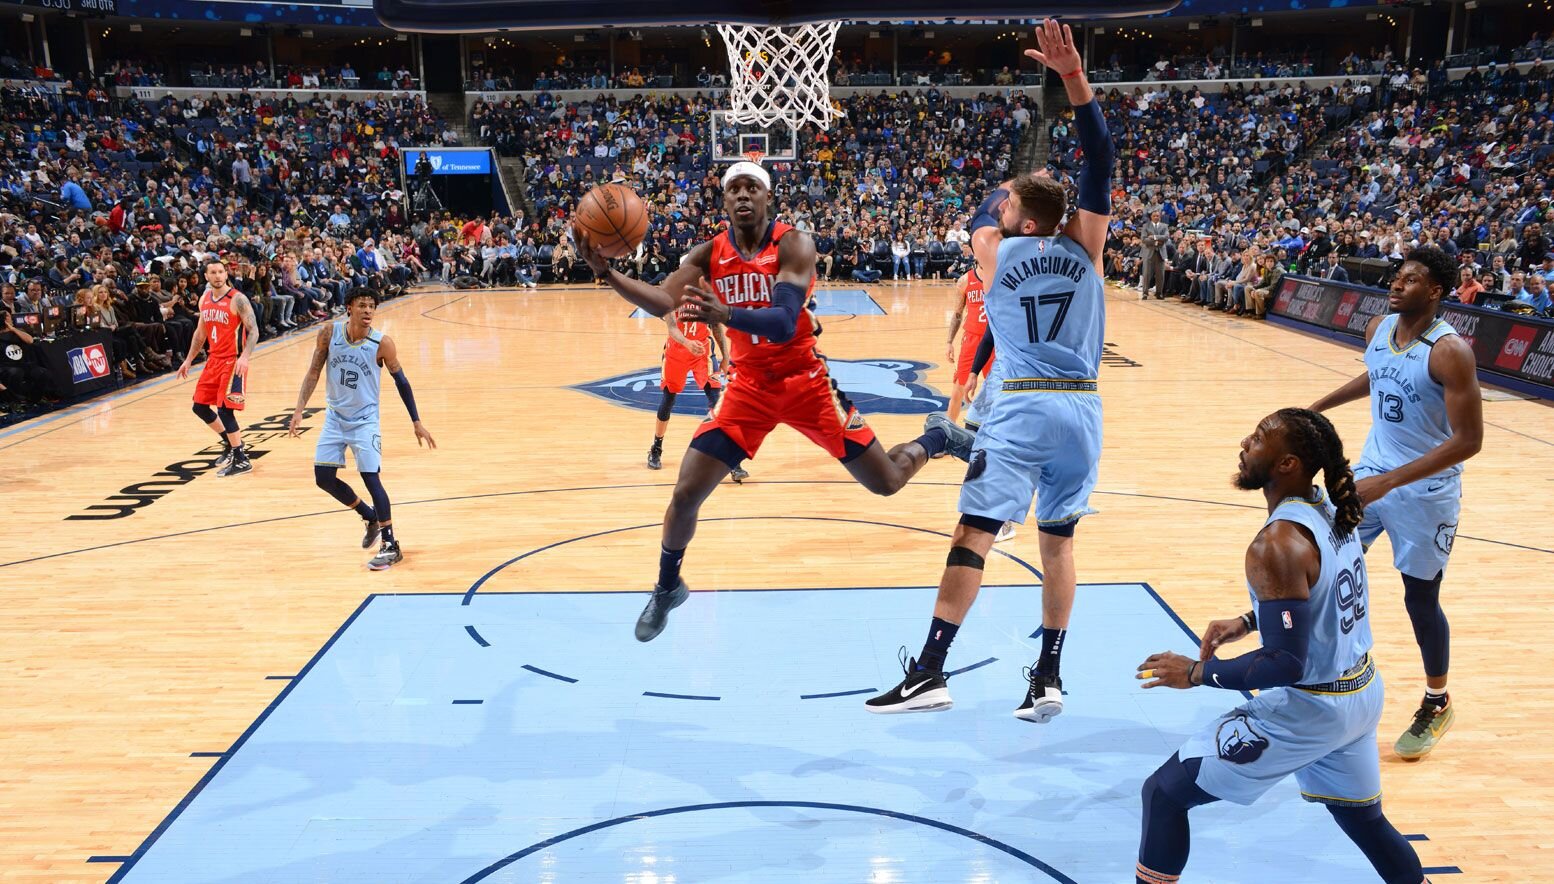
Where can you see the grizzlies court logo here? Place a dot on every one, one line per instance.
(1445, 536)
(874, 386)
(1238, 742)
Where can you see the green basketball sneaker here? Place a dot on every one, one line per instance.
(1428, 728)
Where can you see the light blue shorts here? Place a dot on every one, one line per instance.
(1328, 741)
(362, 438)
(1420, 519)
(1045, 446)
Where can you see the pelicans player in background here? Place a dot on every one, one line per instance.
(225, 317)
(761, 273)
(970, 320)
(688, 351)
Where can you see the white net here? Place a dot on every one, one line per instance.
(779, 73)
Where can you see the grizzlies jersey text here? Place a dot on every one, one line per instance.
(352, 371)
(1408, 407)
(1046, 309)
(1340, 629)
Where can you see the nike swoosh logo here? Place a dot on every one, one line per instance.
(1215, 676)
(815, 374)
(729, 258)
(907, 692)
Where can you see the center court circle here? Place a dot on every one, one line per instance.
(772, 841)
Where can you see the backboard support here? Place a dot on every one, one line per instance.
(480, 16)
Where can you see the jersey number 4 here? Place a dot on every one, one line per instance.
(1032, 304)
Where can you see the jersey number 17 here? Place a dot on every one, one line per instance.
(1032, 303)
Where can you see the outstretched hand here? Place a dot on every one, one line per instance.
(700, 304)
(1056, 42)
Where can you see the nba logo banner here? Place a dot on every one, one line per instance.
(87, 363)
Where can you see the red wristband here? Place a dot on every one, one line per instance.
(1072, 75)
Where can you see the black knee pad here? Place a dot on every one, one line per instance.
(325, 477)
(962, 557)
(228, 419)
(983, 523)
(1064, 530)
(204, 412)
(666, 406)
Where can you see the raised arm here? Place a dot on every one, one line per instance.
(310, 380)
(1093, 208)
(655, 299)
(388, 357)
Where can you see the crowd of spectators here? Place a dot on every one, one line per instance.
(116, 205)
(1418, 160)
(258, 76)
(899, 174)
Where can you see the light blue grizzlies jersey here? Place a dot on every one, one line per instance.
(1340, 629)
(353, 375)
(1046, 308)
(1408, 407)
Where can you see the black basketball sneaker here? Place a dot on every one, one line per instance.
(739, 475)
(371, 537)
(960, 439)
(655, 616)
(388, 556)
(921, 690)
(1043, 700)
(656, 456)
(236, 466)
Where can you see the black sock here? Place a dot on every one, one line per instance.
(1438, 699)
(239, 452)
(1051, 651)
(364, 510)
(934, 441)
(669, 567)
(388, 533)
(940, 634)
(658, 441)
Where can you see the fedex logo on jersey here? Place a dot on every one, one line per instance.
(87, 363)
(875, 386)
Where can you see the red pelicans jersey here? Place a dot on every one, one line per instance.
(221, 319)
(747, 282)
(976, 310)
(693, 331)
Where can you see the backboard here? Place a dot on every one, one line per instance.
(467, 16)
(733, 141)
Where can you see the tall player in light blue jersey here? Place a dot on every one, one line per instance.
(351, 351)
(1427, 418)
(1320, 697)
(1041, 435)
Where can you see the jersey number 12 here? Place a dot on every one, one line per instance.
(1032, 303)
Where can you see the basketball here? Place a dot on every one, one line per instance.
(614, 218)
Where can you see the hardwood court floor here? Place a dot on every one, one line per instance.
(130, 643)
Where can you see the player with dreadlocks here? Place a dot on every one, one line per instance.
(1320, 697)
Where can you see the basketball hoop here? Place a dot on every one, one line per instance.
(754, 156)
(779, 73)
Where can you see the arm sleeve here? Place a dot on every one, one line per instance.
(984, 353)
(1285, 628)
(778, 322)
(1095, 176)
(402, 383)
